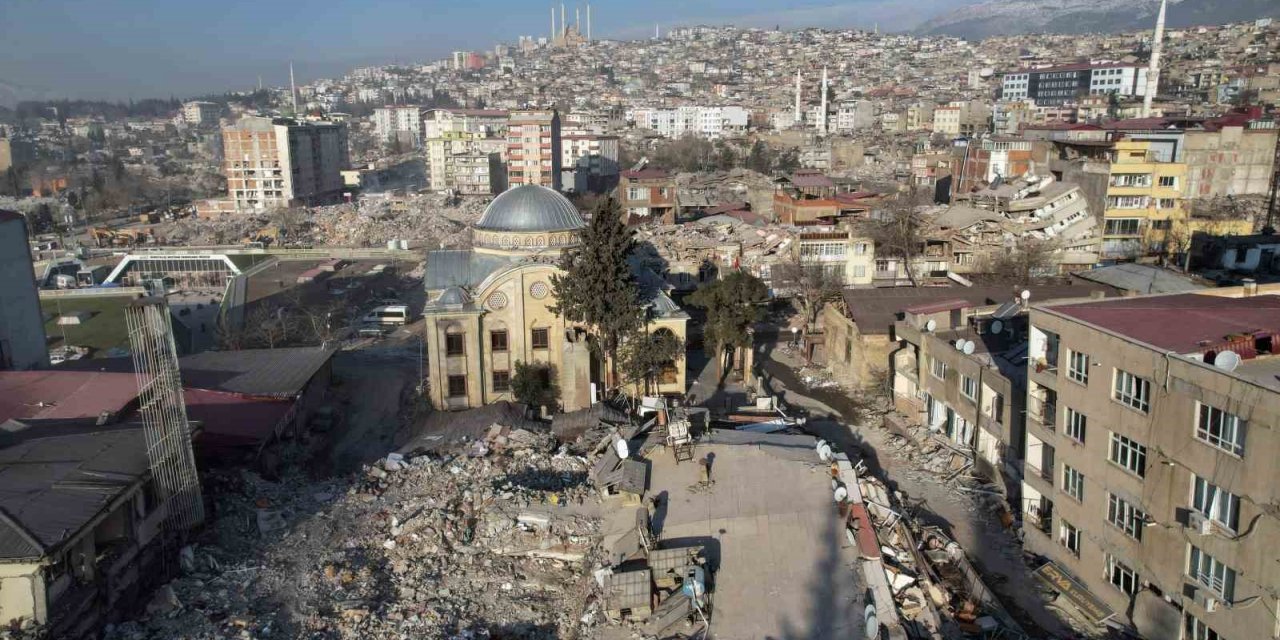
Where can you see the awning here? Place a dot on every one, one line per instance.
(1052, 576)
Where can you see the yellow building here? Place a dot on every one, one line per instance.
(490, 307)
(1145, 208)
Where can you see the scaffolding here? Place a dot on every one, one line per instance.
(164, 414)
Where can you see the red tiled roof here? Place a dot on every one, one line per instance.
(1183, 323)
(64, 395)
(814, 179)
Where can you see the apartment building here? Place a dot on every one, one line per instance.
(1150, 477)
(279, 162)
(711, 122)
(847, 257)
(960, 118)
(399, 123)
(198, 113)
(649, 194)
(920, 116)
(589, 162)
(1145, 213)
(466, 163)
(485, 123)
(533, 148)
(1067, 83)
(852, 115)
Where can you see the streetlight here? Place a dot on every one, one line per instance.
(795, 336)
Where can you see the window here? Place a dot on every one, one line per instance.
(1127, 202)
(938, 368)
(1125, 516)
(1133, 391)
(860, 271)
(1128, 454)
(498, 341)
(860, 249)
(1166, 203)
(1073, 482)
(1132, 180)
(1077, 424)
(969, 387)
(541, 338)
(457, 386)
(1169, 181)
(454, 345)
(1120, 575)
(1220, 429)
(501, 381)
(1196, 630)
(1208, 571)
(884, 265)
(636, 193)
(1078, 367)
(1216, 503)
(1069, 537)
(1122, 226)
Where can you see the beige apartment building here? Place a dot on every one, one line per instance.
(533, 148)
(280, 162)
(1150, 482)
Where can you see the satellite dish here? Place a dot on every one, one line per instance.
(872, 622)
(621, 447)
(1025, 295)
(841, 494)
(931, 325)
(1227, 360)
(824, 452)
(959, 344)
(996, 326)
(968, 347)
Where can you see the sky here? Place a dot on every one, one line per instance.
(123, 49)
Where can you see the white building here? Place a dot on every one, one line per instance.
(197, 113)
(589, 162)
(273, 163)
(852, 115)
(707, 122)
(403, 122)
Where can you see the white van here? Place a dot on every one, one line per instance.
(391, 314)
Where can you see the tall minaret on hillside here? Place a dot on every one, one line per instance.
(822, 116)
(1153, 71)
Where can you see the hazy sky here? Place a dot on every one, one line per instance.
(120, 49)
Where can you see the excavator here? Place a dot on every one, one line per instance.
(121, 238)
(265, 236)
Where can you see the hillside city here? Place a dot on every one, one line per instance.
(723, 332)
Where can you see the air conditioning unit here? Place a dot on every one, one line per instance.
(1199, 523)
(1206, 600)
(1210, 605)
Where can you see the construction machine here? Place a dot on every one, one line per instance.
(266, 236)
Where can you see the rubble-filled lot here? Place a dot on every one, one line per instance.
(428, 220)
(491, 542)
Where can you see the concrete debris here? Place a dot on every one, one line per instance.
(428, 546)
(423, 220)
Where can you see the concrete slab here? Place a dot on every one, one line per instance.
(783, 566)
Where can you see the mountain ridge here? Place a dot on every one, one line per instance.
(1018, 17)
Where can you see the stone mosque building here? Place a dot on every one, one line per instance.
(488, 307)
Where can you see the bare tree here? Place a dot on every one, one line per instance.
(1026, 261)
(807, 281)
(900, 230)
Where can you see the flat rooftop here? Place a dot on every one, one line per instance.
(770, 528)
(1183, 323)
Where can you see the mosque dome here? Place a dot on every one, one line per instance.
(530, 208)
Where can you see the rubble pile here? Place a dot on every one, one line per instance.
(423, 220)
(491, 542)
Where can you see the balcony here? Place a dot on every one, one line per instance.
(1039, 518)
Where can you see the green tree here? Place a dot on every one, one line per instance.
(534, 383)
(598, 288)
(642, 356)
(733, 304)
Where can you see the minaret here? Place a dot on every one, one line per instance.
(577, 19)
(293, 91)
(1153, 71)
(657, 35)
(822, 118)
(799, 116)
(588, 22)
(553, 24)
(564, 27)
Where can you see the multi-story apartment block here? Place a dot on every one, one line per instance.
(705, 121)
(589, 162)
(197, 113)
(846, 256)
(920, 116)
(533, 148)
(1067, 83)
(649, 194)
(280, 162)
(853, 115)
(961, 118)
(1144, 212)
(399, 123)
(485, 123)
(1150, 475)
(465, 163)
